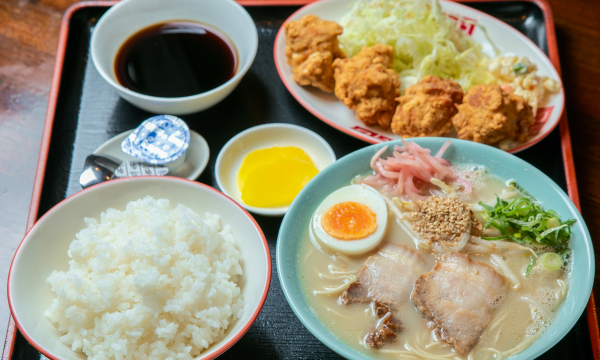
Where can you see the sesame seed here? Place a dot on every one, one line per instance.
(442, 219)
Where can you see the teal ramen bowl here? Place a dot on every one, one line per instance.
(504, 165)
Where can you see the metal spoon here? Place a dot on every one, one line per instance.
(97, 169)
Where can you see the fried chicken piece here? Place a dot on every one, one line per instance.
(367, 84)
(489, 115)
(427, 108)
(312, 45)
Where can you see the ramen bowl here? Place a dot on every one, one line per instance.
(126, 18)
(44, 249)
(295, 225)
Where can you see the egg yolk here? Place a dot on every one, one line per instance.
(349, 221)
(273, 177)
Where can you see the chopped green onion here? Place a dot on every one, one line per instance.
(551, 261)
(485, 216)
(549, 231)
(495, 237)
(553, 223)
(487, 207)
(520, 68)
(530, 266)
(524, 221)
(514, 185)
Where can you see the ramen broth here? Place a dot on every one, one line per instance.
(517, 322)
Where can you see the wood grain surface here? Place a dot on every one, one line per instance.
(28, 38)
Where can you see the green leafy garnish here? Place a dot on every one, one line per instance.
(513, 185)
(523, 221)
(530, 266)
(551, 261)
(520, 68)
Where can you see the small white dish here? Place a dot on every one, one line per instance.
(196, 156)
(45, 246)
(128, 17)
(233, 153)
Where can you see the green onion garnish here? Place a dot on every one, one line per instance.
(530, 266)
(551, 261)
(520, 68)
(523, 221)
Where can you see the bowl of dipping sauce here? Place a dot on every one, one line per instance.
(176, 57)
(265, 167)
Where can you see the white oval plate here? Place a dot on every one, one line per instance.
(326, 106)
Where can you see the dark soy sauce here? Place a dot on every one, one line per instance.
(175, 59)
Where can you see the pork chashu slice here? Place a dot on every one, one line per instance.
(459, 296)
(387, 277)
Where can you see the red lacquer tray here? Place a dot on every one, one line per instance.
(276, 333)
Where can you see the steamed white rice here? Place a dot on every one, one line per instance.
(150, 282)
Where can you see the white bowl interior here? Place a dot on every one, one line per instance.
(129, 16)
(233, 153)
(44, 249)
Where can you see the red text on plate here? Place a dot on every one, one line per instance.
(541, 118)
(465, 24)
(370, 133)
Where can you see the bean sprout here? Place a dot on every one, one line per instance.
(338, 289)
(537, 305)
(503, 268)
(334, 270)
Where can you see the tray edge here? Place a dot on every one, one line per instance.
(565, 136)
(569, 163)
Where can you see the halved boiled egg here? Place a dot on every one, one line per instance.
(351, 220)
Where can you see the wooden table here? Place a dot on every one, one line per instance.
(28, 38)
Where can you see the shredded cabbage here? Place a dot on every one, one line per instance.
(425, 41)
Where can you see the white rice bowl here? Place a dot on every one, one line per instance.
(149, 282)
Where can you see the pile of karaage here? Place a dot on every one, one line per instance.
(367, 84)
